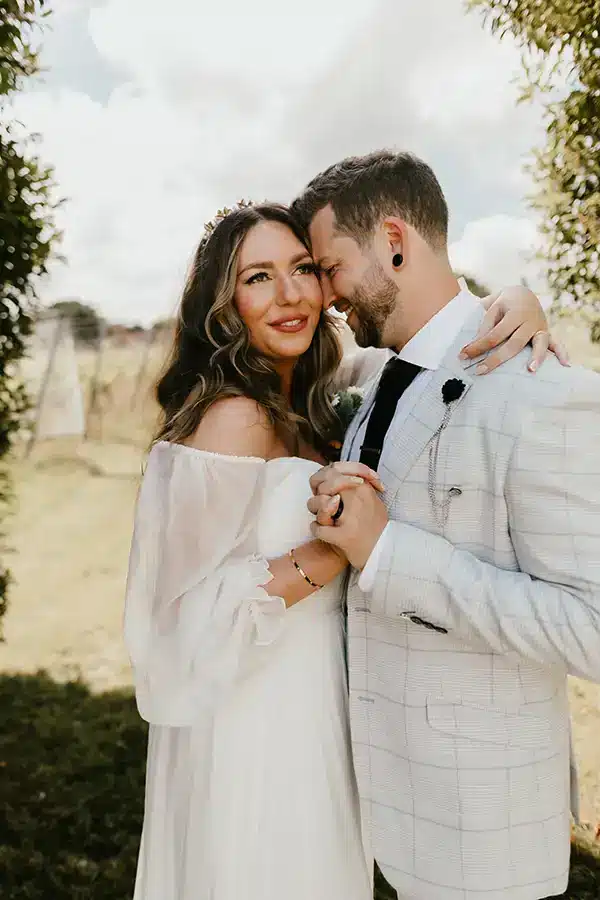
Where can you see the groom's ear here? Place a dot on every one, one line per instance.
(395, 229)
(395, 232)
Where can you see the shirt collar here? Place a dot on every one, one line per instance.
(429, 346)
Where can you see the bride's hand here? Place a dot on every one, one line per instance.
(514, 318)
(342, 476)
(331, 481)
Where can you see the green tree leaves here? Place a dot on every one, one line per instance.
(27, 230)
(563, 36)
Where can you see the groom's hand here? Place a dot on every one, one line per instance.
(359, 527)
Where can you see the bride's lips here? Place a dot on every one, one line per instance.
(290, 326)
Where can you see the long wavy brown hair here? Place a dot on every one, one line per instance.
(212, 356)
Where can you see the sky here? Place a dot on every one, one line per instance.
(154, 116)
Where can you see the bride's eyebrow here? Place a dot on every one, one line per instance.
(257, 265)
(269, 264)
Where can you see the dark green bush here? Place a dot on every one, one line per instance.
(71, 790)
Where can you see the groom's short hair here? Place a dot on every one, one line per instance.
(362, 190)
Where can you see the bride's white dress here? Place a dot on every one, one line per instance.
(250, 789)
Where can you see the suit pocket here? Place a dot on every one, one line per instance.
(489, 725)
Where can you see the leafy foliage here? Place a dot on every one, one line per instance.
(476, 287)
(18, 60)
(26, 229)
(562, 38)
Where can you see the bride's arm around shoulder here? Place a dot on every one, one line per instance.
(199, 593)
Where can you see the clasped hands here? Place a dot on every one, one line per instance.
(364, 515)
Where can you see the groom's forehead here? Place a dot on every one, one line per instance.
(331, 248)
(322, 223)
(323, 234)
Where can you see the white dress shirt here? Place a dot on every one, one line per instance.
(426, 349)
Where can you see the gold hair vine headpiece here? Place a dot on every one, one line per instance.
(209, 227)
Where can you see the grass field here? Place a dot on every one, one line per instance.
(72, 747)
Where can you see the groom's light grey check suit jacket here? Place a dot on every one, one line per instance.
(461, 739)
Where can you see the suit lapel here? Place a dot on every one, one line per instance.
(408, 437)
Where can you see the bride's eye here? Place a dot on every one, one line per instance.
(307, 269)
(257, 278)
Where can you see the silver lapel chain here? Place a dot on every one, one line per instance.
(452, 390)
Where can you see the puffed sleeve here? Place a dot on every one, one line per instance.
(194, 599)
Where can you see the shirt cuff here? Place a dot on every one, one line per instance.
(368, 574)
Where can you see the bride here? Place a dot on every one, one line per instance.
(233, 614)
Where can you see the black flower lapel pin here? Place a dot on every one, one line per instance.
(452, 390)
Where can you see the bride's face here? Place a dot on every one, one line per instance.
(278, 293)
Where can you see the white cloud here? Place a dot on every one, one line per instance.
(223, 101)
(429, 78)
(224, 50)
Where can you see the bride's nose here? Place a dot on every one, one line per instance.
(289, 291)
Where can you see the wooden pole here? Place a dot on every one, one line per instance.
(44, 387)
(94, 387)
(139, 380)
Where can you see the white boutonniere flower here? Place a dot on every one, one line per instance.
(346, 404)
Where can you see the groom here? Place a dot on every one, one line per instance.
(476, 588)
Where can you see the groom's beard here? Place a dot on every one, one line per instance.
(372, 302)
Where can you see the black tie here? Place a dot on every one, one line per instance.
(395, 378)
